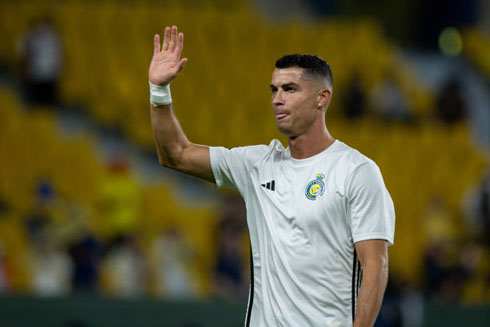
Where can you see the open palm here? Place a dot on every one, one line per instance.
(166, 64)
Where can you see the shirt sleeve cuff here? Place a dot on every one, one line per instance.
(213, 157)
(373, 236)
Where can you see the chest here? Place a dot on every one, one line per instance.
(310, 198)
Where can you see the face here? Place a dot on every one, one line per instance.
(294, 101)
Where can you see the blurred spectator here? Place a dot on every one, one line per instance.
(41, 213)
(172, 256)
(4, 207)
(51, 268)
(475, 254)
(85, 254)
(41, 62)
(46, 205)
(444, 276)
(353, 99)
(470, 256)
(439, 224)
(125, 267)
(4, 274)
(233, 208)
(450, 107)
(5, 283)
(390, 313)
(411, 307)
(477, 210)
(229, 277)
(389, 102)
(403, 305)
(119, 198)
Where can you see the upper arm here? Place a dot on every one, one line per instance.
(373, 252)
(371, 210)
(231, 167)
(194, 160)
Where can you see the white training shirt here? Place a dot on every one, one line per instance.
(304, 216)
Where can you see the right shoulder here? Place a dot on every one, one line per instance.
(251, 153)
(231, 167)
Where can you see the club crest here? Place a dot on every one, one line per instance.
(315, 188)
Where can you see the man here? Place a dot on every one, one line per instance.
(317, 211)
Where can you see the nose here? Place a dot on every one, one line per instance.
(277, 98)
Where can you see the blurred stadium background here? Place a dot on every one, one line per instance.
(94, 233)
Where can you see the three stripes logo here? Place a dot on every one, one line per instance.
(270, 185)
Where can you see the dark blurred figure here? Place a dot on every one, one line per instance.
(403, 305)
(41, 214)
(119, 197)
(444, 275)
(229, 270)
(478, 211)
(41, 62)
(126, 267)
(49, 265)
(450, 107)
(390, 314)
(4, 272)
(353, 99)
(230, 281)
(171, 258)
(86, 255)
(389, 102)
(4, 207)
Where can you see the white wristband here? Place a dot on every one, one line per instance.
(160, 95)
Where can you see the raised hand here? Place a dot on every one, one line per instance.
(166, 64)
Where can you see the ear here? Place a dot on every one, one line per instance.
(323, 97)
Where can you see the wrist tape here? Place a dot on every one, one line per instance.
(160, 95)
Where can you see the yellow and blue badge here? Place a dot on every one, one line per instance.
(315, 188)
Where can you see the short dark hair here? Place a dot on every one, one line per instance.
(313, 65)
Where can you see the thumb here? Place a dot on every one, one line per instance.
(182, 64)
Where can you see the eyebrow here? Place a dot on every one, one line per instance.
(290, 84)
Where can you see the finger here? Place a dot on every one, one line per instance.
(182, 64)
(166, 38)
(156, 44)
(180, 44)
(173, 39)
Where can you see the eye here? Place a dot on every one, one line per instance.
(289, 89)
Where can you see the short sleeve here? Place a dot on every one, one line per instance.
(231, 167)
(370, 206)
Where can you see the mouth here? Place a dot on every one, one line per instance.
(281, 116)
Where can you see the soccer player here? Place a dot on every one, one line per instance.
(319, 215)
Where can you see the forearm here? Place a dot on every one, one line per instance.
(173, 148)
(373, 285)
(169, 137)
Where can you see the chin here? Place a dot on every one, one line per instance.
(285, 131)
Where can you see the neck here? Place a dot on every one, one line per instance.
(311, 143)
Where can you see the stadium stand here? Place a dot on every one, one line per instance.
(33, 149)
(108, 46)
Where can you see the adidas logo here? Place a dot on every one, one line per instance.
(269, 185)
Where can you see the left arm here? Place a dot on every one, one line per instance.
(373, 255)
